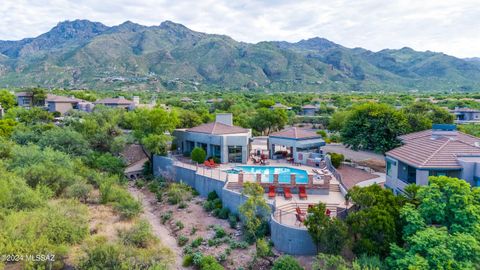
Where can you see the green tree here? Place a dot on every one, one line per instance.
(266, 121)
(7, 99)
(151, 121)
(421, 116)
(330, 262)
(442, 231)
(330, 235)
(188, 119)
(198, 155)
(6, 127)
(372, 126)
(374, 221)
(286, 262)
(65, 140)
(255, 210)
(337, 121)
(264, 250)
(156, 144)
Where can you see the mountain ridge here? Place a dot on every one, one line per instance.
(170, 56)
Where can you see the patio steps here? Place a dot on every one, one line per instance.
(334, 188)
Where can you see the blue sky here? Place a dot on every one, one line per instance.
(452, 27)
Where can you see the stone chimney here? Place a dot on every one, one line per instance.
(224, 118)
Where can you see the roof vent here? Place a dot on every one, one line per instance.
(477, 144)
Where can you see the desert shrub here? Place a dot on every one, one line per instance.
(166, 217)
(140, 235)
(179, 225)
(153, 186)
(79, 190)
(193, 230)
(329, 262)
(139, 183)
(232, 220)
(197, 242)
(219, 232)
(187, 260)
(182, 240)
(100, 254)
(177, 193)
(365, 262)
(159, 196)
(210, 263)
(336, 159)
(223, 213)
(182, 205)
(198, 155)
(212, 196)
(197, 258)
(128, 207)
(286, 263)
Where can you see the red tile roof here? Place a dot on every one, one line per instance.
(217, 128)
(421, 150)
(295, 133)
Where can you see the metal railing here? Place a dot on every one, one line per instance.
(335, 173)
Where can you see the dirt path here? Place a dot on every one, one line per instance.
(158, 229)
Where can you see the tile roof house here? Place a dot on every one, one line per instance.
(300, 143)
(219, 139)
(309, 110)
(466, 115)
(62, 104)
(440, 151)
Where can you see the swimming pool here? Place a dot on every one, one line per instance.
(267, 173)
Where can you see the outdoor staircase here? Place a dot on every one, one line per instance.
(334, 187)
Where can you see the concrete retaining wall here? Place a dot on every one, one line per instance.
(291, 240)
(294, 241)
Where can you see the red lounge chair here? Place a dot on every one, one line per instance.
(328, 212)
(300, 219)
(271, 192)
(287, 193)
(302, 193)
(207, 164)
(299, 211)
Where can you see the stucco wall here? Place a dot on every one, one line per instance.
(294, 241)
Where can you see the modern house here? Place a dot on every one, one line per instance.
(62, 104)
(219, 139)
(309, 110)
(119, 102)
(300, 143)
(466, 115)
(24, 99)
(440, 151)
(279, 105)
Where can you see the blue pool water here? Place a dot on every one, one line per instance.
(268, 171)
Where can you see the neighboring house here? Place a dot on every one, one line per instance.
(440, 151)
(24, 99)
(466, 115)
(134, 157)
(186, 100)
(279, 105)
(219, 139)
(300, 143)
(309, 110)
(62, 104)
(119, 102)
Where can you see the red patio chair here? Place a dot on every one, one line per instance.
(302, 193)
(328, 212)
(271, 192)
(287, 193)
(300, 219)
(213, 164)
(299, 211)
(207, 164)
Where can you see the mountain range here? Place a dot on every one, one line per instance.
(82, 54)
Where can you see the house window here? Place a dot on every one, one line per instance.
(235, 154)
(407, 174)
(389, 168)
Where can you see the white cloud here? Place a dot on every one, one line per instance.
(438, 25)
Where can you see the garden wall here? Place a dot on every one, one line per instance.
(294, 241)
